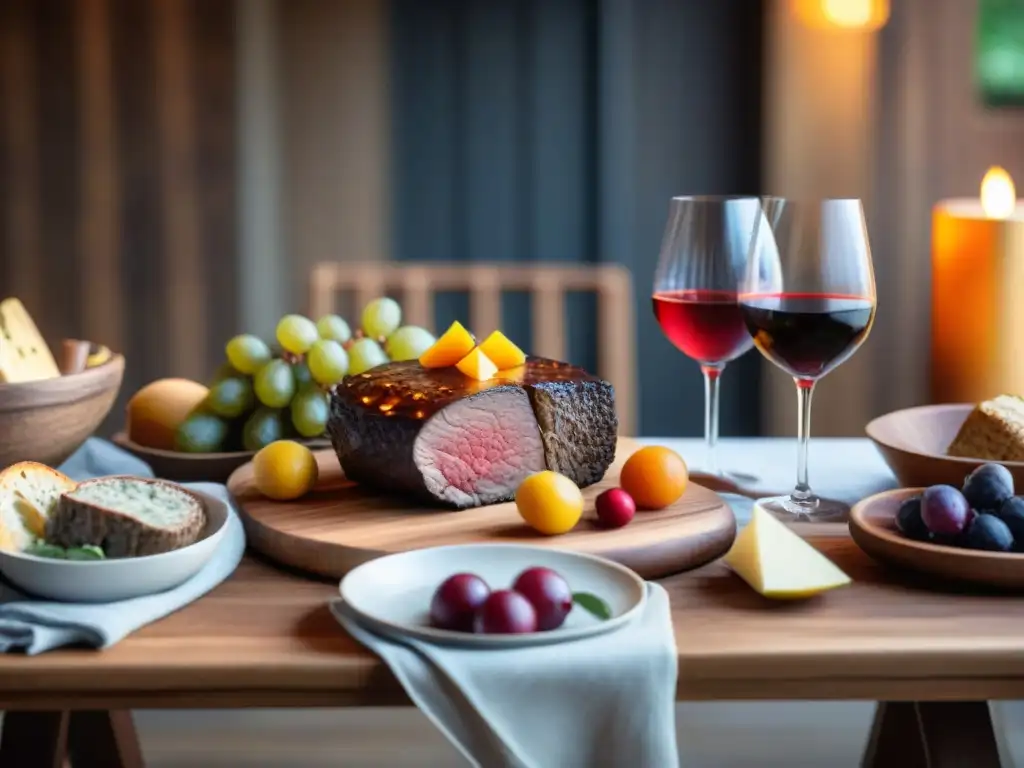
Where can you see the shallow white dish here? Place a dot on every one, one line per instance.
(392, 594)
(104, 581)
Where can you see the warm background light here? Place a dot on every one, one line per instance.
(998, 195)
(842, 14)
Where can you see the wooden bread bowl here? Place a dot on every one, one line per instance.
(914, 442)
(48, 420)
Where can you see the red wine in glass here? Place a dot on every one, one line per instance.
(701, 268)
(809, 301)
(807, 334)
(706, 326)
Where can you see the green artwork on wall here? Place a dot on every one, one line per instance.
(999, 52)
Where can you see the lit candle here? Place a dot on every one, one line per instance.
(978, 294)
(865, 15)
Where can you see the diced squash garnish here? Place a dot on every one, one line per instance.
(453, 346)
(777, 563)
(503, 353)
(477, 365)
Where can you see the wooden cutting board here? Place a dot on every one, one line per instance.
(340, 525)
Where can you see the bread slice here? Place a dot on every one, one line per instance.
(29, 493)
(127, 517)
(994, 431)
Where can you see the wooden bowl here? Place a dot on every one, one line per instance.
(48, 420)
(914, 441)
(873, 528)
(195, 467)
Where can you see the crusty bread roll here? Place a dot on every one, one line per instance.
(994, 431)
(29, 493)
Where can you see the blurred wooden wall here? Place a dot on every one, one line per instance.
(819, 134)
(118, 178)
(936, 140)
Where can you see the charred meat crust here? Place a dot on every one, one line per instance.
(579, 427)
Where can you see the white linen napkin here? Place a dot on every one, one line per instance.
(607, 700)
(32, 625)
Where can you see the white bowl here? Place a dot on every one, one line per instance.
(105, 581)
(392, 594)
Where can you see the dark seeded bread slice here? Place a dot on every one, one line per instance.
(127, 517)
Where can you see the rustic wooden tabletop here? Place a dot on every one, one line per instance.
(266, 638)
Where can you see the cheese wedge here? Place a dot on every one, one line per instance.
(777, 563)
(24, 355)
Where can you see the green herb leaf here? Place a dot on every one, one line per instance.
(47, 550)
(593, 604)
(88, 552)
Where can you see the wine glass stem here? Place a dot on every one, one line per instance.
(804, 391)
(711, 376)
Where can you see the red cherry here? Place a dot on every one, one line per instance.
(456, 601)
(505, 613)
(615, 508)
(548, 593)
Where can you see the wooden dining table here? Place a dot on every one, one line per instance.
(931, 656)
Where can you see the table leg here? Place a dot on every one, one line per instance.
(102, 739)
(894, 741)
(34, 739)
(958, 733)
(932, 735)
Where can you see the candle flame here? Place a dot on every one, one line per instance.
(847, 13)
(998, 195)
(864, 15)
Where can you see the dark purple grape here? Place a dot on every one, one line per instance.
(988, 486)
(1012, 513)
(456, 601)
(548, 593)
(908, 520)
(944, 510)
(989, 533)
(505, 613)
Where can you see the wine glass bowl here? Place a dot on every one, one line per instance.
(705, 325)
(808, 335)
(808, 300)
(701, 268)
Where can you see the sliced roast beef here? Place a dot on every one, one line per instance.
(438, 435)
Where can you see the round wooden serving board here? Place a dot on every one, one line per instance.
(340, 525)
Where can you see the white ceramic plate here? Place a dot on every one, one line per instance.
(392, 594)
(104, 581)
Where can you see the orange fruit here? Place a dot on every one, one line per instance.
(284, 470)
(550, 503)
(655, 476)
(157, 410)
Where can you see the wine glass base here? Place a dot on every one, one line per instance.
(726, 475)
(726, 482)
(740, 478)
(788, 510)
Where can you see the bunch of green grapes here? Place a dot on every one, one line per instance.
(260, 395)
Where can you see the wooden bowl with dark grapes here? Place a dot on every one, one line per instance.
(873, 527)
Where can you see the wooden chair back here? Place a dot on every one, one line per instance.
(415, 284)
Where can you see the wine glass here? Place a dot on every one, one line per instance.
(700, 269)
(809, 301)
